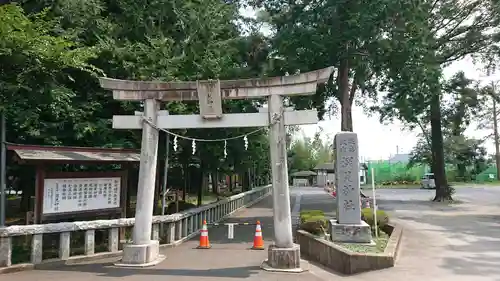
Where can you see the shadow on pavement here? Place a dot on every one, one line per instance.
(108, 270)
(413, 205)
(473, 241)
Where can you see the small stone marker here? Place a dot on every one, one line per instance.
(348, 227)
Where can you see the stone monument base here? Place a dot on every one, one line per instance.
(141, 255)
(351, 233)
(284, 260)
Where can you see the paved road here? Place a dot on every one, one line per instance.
(227, 260)
(480, 194)
(441, 243)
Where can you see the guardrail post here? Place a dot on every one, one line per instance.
(5, 251)
(155, 232)
(178, 230)
(64, 245)
(184, 227)
(197, 221)
(170, 232)
(36, 248)
(89, 242)
(209, 216)
(113, 237)
(191, 224)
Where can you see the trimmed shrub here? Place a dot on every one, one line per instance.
(304, 215)
(367, 216)
(313, 221)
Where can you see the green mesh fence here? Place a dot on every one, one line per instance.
(398, 173)
(485, 175)
(386, 171)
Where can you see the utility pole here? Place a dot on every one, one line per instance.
(495, 130)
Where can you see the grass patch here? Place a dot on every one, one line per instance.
(379, 247)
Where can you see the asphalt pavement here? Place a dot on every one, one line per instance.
(441, 242)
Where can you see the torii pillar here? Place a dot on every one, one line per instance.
(284, 255)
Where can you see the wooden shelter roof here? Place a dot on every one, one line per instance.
(69, 154)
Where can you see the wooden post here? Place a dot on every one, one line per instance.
(39, 185)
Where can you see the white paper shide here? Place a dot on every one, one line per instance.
(69, 195)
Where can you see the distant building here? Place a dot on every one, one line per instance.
(326, 173)
(401, 158)
(303, 178)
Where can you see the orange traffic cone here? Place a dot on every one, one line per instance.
(258, 242)
(204, 242)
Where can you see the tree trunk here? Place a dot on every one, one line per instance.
(461, 172)
(230, 186)
(186, 173)
(203, 184)
(345, 96)
(215, 182)
(496, 137)
(245, 183)
(443, 190)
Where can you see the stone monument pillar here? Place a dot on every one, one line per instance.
(348, 226)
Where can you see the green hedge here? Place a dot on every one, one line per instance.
(367, 216)
(313, 221)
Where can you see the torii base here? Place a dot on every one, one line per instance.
(141, 255)
(284, 260)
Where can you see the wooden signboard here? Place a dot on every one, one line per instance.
(70, 194)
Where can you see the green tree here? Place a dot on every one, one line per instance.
(468, 155)
(306, 153)
(141, 40)
(311, 35)
(427, 37)
(37, 73)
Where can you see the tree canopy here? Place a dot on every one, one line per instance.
(389, 54)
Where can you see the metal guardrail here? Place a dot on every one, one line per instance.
(177, 228)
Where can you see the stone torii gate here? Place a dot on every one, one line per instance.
(284, 254)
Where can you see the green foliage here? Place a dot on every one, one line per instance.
(367, 216)
(305, 153)
(313, 221)
(346, 34)
(306, 214)
(51, 53)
